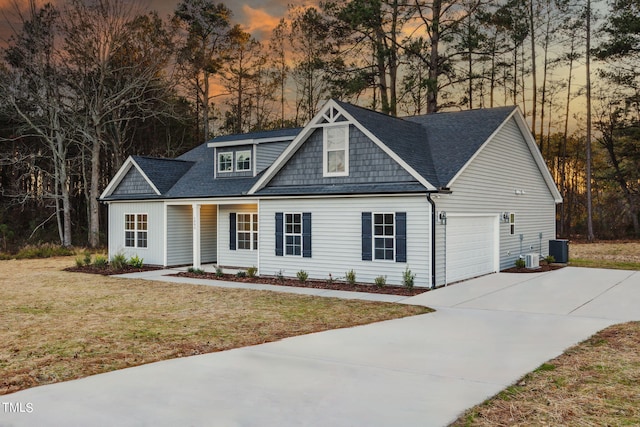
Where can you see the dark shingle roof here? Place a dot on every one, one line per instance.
(164, 173)
(436, 146)
(454, 137)
(278, 133)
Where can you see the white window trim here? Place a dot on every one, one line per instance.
(135, 230)
(222, 153)
(285, 234)
(252, 232)
(325, 152)
(246, 153)
(373, 237)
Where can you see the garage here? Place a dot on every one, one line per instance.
(472, 246)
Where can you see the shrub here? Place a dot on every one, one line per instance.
(136, 262)
(80, 262)
(302, 276)
(520, 263)
(241, 274)
(100, 261)
(330, 279)
(198, 271)
(550, 259)
(46, 250)
(87, 258)
(280, 276)
(219, 272)
(381, 281)
(408, 278)
(118, 261)
(252, 271)
(350, 277)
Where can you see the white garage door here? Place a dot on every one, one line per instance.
(471, 246)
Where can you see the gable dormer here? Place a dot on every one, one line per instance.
(247, 155)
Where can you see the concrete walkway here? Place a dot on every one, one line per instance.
(423, 370)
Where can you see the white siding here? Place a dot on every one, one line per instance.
(208, 233)
(337, 241)
(153, 254)
(237, 258)
(179, 235)
(488, 185)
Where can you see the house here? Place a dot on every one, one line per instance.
(449, 196)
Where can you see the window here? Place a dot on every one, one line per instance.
(247, 227)
(384, 236)
(243, 161)
(512, 223)
(293, 234)
(336, 150)
(135, 230)
(225, 162)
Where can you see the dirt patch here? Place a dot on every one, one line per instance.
(316, 284)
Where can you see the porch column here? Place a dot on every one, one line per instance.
(196, 236)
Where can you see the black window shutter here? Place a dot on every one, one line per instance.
(232, 231)
(401, 237)
(279, 234)
(367, 253)
(306, 234)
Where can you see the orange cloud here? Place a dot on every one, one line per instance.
(258, 21)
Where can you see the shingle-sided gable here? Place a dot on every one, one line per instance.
(368, 165)
(133, 183)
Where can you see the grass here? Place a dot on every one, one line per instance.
(596, 383)
(616, 255)
(57, 325)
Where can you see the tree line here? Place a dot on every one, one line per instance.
(85, 83)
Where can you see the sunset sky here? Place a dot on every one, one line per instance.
(256, 16)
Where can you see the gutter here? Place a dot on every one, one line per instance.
(433, 240)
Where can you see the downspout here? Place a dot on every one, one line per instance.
(433, 240)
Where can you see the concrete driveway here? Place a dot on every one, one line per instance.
(424, 370)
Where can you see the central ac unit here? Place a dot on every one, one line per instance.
(532, 260)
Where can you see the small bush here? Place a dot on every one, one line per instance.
(100, 261)
(136, 262)
(302, 276)
(87, 258)
(550, 259)
(520, 263)
(330, 280)
(118, 261)
(252, 271)
(350, 277)
(80, 262)
(408, 278)
(241, 274)
(280, 276)
(197, 271)
(219, 272)
(380, 281)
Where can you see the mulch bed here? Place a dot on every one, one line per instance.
(317, 284)
(543, 268)
(108, 271)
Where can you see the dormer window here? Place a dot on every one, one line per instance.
(243, 160)
(225, 162)
(336, 150)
